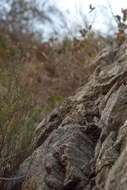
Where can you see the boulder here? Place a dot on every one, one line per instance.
(84, 142)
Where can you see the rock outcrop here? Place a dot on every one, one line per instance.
(84, 143)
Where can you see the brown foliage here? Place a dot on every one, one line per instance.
(57, 70)
(122, 26)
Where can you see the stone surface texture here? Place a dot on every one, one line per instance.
(84, 142)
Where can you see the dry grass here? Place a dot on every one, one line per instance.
(36, 77)
(57, 71)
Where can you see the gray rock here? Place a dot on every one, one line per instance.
(84, 145)
(62, 162)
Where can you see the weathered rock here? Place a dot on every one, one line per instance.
(113, 111)
(84, 143)
(117, 177)
(62, 162)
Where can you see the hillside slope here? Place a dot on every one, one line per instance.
(84, 142)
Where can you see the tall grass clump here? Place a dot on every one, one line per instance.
(18, 116)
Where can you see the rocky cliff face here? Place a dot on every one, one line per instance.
(84, 142)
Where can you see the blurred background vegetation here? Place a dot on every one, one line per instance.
(37, 75)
